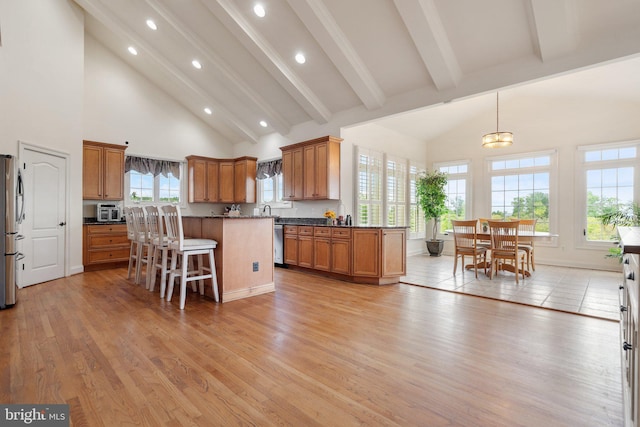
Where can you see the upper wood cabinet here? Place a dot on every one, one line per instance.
(319, 177)
(245, 179)
(102, 171)
(222, 180)
(292, 174)
(202, 179)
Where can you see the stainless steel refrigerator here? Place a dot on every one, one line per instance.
(11, 205)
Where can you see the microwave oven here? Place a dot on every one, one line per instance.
(107, 212)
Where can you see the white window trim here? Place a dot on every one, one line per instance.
(183, 187)
(581, 166)
(468, 193)
(553, 186)
(281, 204)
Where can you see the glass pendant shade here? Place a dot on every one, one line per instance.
(497, 139)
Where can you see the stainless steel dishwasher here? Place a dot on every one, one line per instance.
(278, 244)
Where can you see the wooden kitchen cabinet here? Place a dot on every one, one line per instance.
(203, 179)
(222, 180)
(292, 174)
(290, 244)
(366, 252)
(105, 246)
(305, 246)
(320, 175)
(322, 248)
(245, 179)
(102, 171)
(393, 243)
(341, 250)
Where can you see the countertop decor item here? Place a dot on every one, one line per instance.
(330, 216)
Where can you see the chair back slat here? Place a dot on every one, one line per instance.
(128, 216)
(140, 224)
(173, 222)
(154, 224)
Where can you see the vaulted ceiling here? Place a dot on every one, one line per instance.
(365, 59)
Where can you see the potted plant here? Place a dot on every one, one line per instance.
(431, 195)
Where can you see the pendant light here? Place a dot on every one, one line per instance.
(497, 139)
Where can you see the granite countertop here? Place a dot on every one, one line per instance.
(231, 217)
(322, 222)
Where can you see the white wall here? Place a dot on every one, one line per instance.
(41, 68)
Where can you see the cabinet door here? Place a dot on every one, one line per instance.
(305, 251)
(309, 170)
(291, 249)
(245, 181)
(321, 171)
(292, 174)
(366, 252)
(92, 172)
(341, 256)
(393, 253)
(227, 178)
(321, 253)
(197, 180)
(113, 181)
(212, 194)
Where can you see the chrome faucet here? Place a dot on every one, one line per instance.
(265, 209)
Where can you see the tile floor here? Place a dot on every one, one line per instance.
(587, 292)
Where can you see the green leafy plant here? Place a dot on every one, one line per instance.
(623, 216)
(431, 195)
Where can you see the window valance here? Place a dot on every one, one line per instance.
(153, 166)
(268, 169)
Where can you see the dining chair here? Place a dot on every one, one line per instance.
(526, 243)
(159, 249)
(466, 244)
(143, 247)
(504, 247)
(184, 248)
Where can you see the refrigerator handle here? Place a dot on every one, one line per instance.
(20, 194)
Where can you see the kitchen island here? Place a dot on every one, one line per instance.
(360, 254)
(244, 255)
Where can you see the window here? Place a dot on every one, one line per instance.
(457, 197)
(270, 184)
(521, 187)
(417, 223)
(369, 181)
(610, 184)
(387, 191)
(396, 192)
(153, 181)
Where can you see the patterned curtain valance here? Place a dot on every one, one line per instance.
(268, 169)
(153, 166)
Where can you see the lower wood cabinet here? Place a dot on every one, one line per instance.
(367, 255)
(105, 246)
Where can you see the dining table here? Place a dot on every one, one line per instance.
(483, 235)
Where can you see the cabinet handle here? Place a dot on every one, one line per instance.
(621, 287)
(631, 276)
(623, 308)
(626, 261)
(626, 346)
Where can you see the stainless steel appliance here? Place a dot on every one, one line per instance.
(278, 244)
(12, 207)
(106, 212)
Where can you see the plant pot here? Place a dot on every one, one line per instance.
(435, 247)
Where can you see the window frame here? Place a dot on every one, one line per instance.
(156, 188)
(468, 185)
(552, 169)
(582, 167)
(278, 185)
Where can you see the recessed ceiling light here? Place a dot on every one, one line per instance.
(263, 123)
(259, 10)
(300, 59)
(208, 110)
(196, 64)
(151, 24)
(132, 50)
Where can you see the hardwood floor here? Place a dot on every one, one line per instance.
(315, 352)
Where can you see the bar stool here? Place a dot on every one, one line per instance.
(185, 248)
(159, 249)
(143, 253)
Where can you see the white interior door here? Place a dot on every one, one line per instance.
(44, 220)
